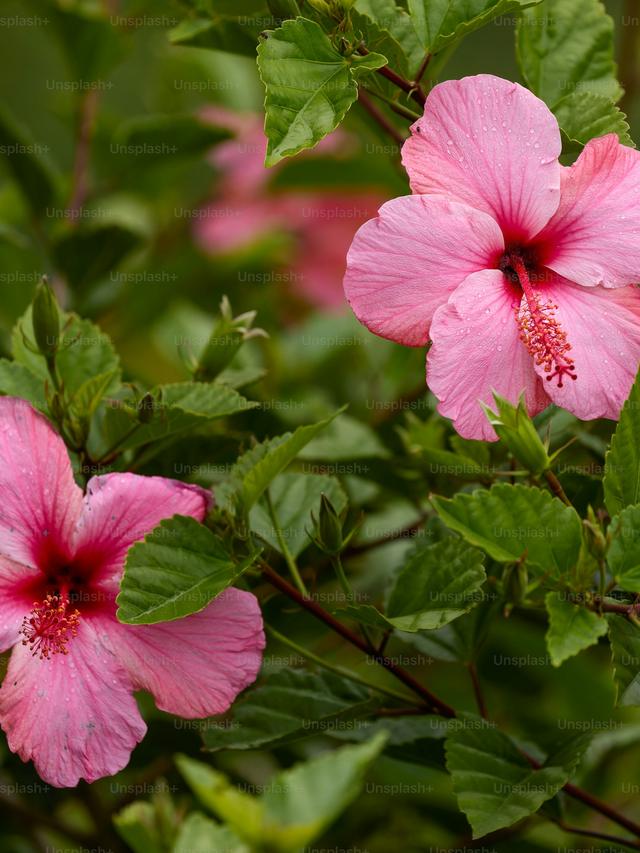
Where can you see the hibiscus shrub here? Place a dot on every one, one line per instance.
(262, 589)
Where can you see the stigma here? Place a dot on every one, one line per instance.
(50, 626)
(540, 329)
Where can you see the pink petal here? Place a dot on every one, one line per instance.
(196, 666)
(404, 264)
(594, 237)
(603, 328)
(490, 144)
(16, 599)
(40, 499)
(74, 716)
(476, 350)
(120, 509)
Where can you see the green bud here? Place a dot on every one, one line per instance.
(146, 408)
(594, 535)
(228, 335)
(329, 528)
(46, 320)
(515, 428)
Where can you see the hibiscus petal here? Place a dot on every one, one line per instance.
(73, 715)
(120, 509)
(17, 583)
(404, 264)
(196, 666)
(594, 237)
(491, 144)
(476, 349)
(40, 499)
(603, 327)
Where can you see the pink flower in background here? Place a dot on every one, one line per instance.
(246, 210)
(521, 272)
(67, 702)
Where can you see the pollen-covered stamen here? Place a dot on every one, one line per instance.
(540, 330)
(50, 626)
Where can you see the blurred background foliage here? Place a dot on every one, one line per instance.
(145, 237)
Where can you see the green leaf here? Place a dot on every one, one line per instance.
(297, 805)
(571, 628)
(25, 162)
(417, 740)
(386, 28)
(346, 439)
(515, 522)
(309, 87)
(295, 497)
(623, 555)
(437, 585)
(586, 115)
(566, 46)
(85, 352)
(256, 469)
(622, 463)
(18, 381)
(176, 570)
(179, 408)
(459, 641)
(624, 636)
(441, 22)
(495, 785)
(87, 254)
(136, 823)
(199, 834)
(288, 705)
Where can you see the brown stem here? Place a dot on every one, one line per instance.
(381, 119)
(556, 487)
(601, 836)
(423, 67)
(394, 536)
(320, 613)
(433, 701)
(414, 91)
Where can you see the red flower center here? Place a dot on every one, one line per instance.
(50, 626)
(540, 330)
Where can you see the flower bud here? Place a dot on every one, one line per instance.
(329, 528)
(515, 428)
(46, 320)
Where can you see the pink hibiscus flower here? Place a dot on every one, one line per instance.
(67, 702)
(521, 272)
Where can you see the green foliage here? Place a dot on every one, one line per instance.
(178, 569)
(572, 628)
(289, 705)
(309, 86)
(585, 115)
(566, 46)
(298, 804)
(625, 654)
(495, 784)
(623, 555)
(515, 523)
(622, 463)
(440, 22)
(438, 584)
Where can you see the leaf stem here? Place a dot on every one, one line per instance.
(284, 548)
(344, 673)
(414, 91)
(556, 487)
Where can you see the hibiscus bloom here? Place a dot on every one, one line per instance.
(67, 699)
(519, 271)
